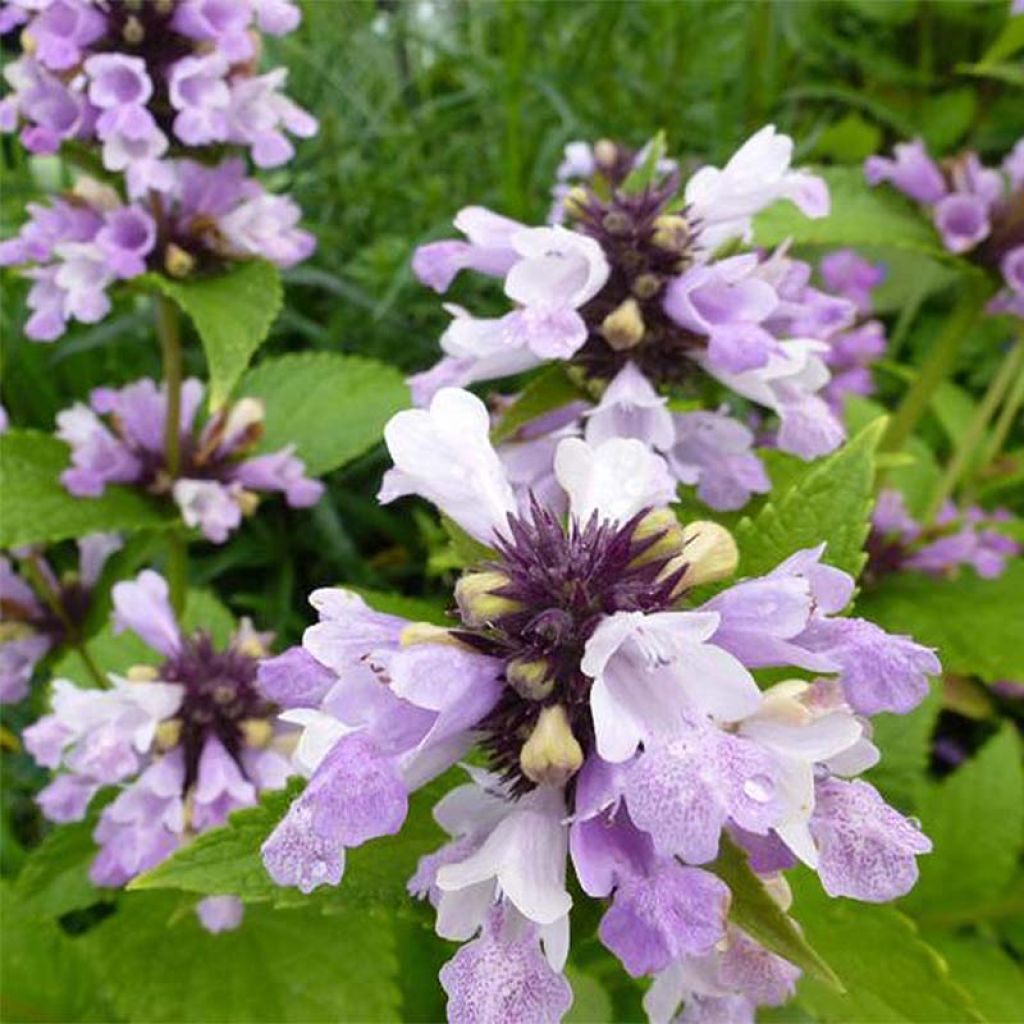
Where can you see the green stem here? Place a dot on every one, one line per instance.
(168, 330)
(940, 362)
(968, 442)
(1001, 430)
(34, 571)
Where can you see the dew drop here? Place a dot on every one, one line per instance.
(759, 788)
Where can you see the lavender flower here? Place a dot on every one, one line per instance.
(968, 537)
(218, 478)
(972, 206)
(622, 727)
(141, 82)
(186, 742)
(35, 623)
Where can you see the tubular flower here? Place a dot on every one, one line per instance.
(147, 85)
(186, 742)
(621, 725)
(40, 610)
(218, 477)
(975, 209)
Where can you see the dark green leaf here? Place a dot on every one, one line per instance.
(550, 389)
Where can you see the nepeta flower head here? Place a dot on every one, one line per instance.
(34, 622)
(118, 438)
(956, 538)
(622, 727)
(974, 208)
(186, 742)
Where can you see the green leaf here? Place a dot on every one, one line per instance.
(974, 623)
(860, 215)
(849, 139)
(754, 910)
(946, 117)
(975, 819)
(591, 1003)
(990, 976)
(416, 609)
(332, 407)
(890, 975)
(232, 313)
(830, 501)
(38, 510)
(644, 176)
(467, 550)
(158, 964)
(45, 975)
(550, 389)
(906, 745)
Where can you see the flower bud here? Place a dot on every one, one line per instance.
(95, 194)
(671, 232)
(606, 153)
(256, 732)
(142, 674)
(178, 262)
(575, 202)
(427, 633)
(133, 32)
(478, 603)
(531, 678)
(615, 222)
(623, 328)
(709, 553)
(248, 501)
(646, 286)
(168, 734)
(661, 526)
(551, 756)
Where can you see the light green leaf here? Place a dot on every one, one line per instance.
(45, 975)
(416, 609)
(975, 819)
(831, 502)
(332, 407)
(945, 117)
(644, 176)
(36, 507)
(754, 910)
(890, 975)
(232, 313)
(992, 978)
(591, 1003)
(158, 964)
(849, 139)
(466, 550)
(974, 623)
(860, 215)
(550, 389)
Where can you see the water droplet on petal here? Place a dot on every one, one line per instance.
(759, 788)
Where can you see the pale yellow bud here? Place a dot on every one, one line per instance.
(623, 328)
(178, 262)
(133, 32)
(427, 633)
(478, 604)
(168, 734)
(646, 286)
(248, 501)
(671, 232)
(142, 674)
(575, 202)
(606, 152)
(709, 552)
(96, 194)
(551, 756)
(778, 888)
(530, 678)
(662, 524)
(256, 732)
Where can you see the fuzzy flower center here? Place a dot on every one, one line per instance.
(537, 606)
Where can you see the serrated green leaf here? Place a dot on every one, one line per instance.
(889, 973)
(973, 623)
(991, 977)
(158, 964)
(232, 313)
(860, 215)
(830, 501)
(550, 389)
(332, 407)
(38, 510)
(45, 975)
(975, 819)
(754, 910)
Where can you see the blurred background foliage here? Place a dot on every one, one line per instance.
(429, 106)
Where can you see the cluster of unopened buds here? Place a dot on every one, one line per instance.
(975, 209)
(186, 741)
(621, 728)
(119, 438)
(153, 91)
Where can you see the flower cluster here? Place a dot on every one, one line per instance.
(187, 742)
(974, 208)
(622, 728)
(956, 538)
(217, 478)
(40, 610)
(636, 279)
(146, 85)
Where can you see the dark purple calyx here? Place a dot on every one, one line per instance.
(555, 584)
(220, 696)
(70, 596)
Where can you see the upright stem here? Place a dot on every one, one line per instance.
(998, 387)
(939, 363)
(168, 330)
(1001, 430)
